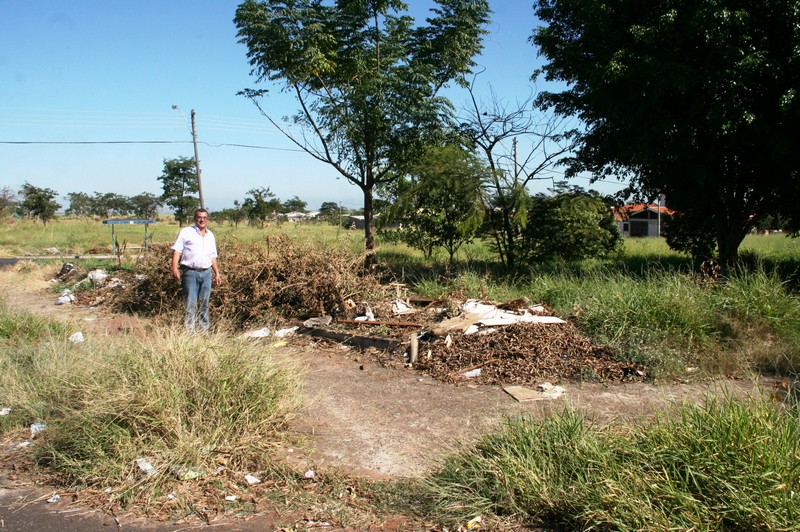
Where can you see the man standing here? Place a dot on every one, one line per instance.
(194, 257)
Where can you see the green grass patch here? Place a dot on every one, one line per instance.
(725, 465)
(180, 401)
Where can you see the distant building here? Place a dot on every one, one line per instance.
(301, 216)
(641, 219)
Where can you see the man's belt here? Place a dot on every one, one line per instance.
(193, 269)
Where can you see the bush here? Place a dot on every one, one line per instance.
(570, 225)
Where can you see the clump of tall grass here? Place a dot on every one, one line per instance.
(174, 399)
(726, 464)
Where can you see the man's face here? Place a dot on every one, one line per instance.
(201, 219)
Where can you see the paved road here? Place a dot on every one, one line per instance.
(27, 510)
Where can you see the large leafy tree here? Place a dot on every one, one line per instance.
(261, 205)
(80, 204)
(695, 99)
(38, 203)
(145, 205)
(179, 184)
(438, 203)
(367, 78)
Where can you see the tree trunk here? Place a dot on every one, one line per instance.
(369, 230)
(731, 230)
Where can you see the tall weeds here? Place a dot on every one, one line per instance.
(173, 399)
(724, 465)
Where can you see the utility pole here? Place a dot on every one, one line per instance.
(193, 129)
(197, 162)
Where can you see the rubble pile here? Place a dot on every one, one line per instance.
(523, 354)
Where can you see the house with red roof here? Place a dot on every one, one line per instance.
(641, 219)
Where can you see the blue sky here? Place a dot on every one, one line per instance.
(106, 71)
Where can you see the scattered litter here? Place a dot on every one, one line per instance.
(186, 473)
(54, 498)
(551, 390)
(77, 338)
(471, 374)
(171, 496)
(115, 282)
(230, 498)
(400, 307)
(38, 427)
(319, 321)
(97, 277)
(309, 474)
(474, 523)
(146, 467)
(260, 333)
(23, 444)
(286, 332)
(54, 251)
(476, 314)
(66, 297)
(5, 411)
(252, 480)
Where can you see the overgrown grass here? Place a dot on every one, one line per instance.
(181, 402)
(725, 465)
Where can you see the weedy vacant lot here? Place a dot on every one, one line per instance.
(203, 411)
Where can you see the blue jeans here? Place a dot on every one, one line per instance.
(196, 289)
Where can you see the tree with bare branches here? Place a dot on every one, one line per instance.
(497, 129)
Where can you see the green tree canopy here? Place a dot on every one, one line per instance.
(696, 100)
(366, 77)
(145, 205)
(179, 183)
(37, 203)
(294, 204)
(261, 205)
(438, 203)
(570, 224)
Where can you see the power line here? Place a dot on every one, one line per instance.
(85, 142)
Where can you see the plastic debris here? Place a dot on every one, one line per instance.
(309, 474)
(550, 390)
(115, 282)
(319, 321)
(54, 498)
(5, 411)
(186, 473)
(77, 338)
(97, 277)
(286, 332)
(252, 480)
(171, 496)
(146, 467)
(66, 297)
(471, 374)
(474, 523)
(38, 427)
(260, 333)
(400, 307)
(230, 498)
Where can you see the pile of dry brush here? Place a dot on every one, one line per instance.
(279, 280)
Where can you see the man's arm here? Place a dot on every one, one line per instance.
(176, 258)
(215, 267)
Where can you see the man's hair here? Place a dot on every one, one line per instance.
(198, 211)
